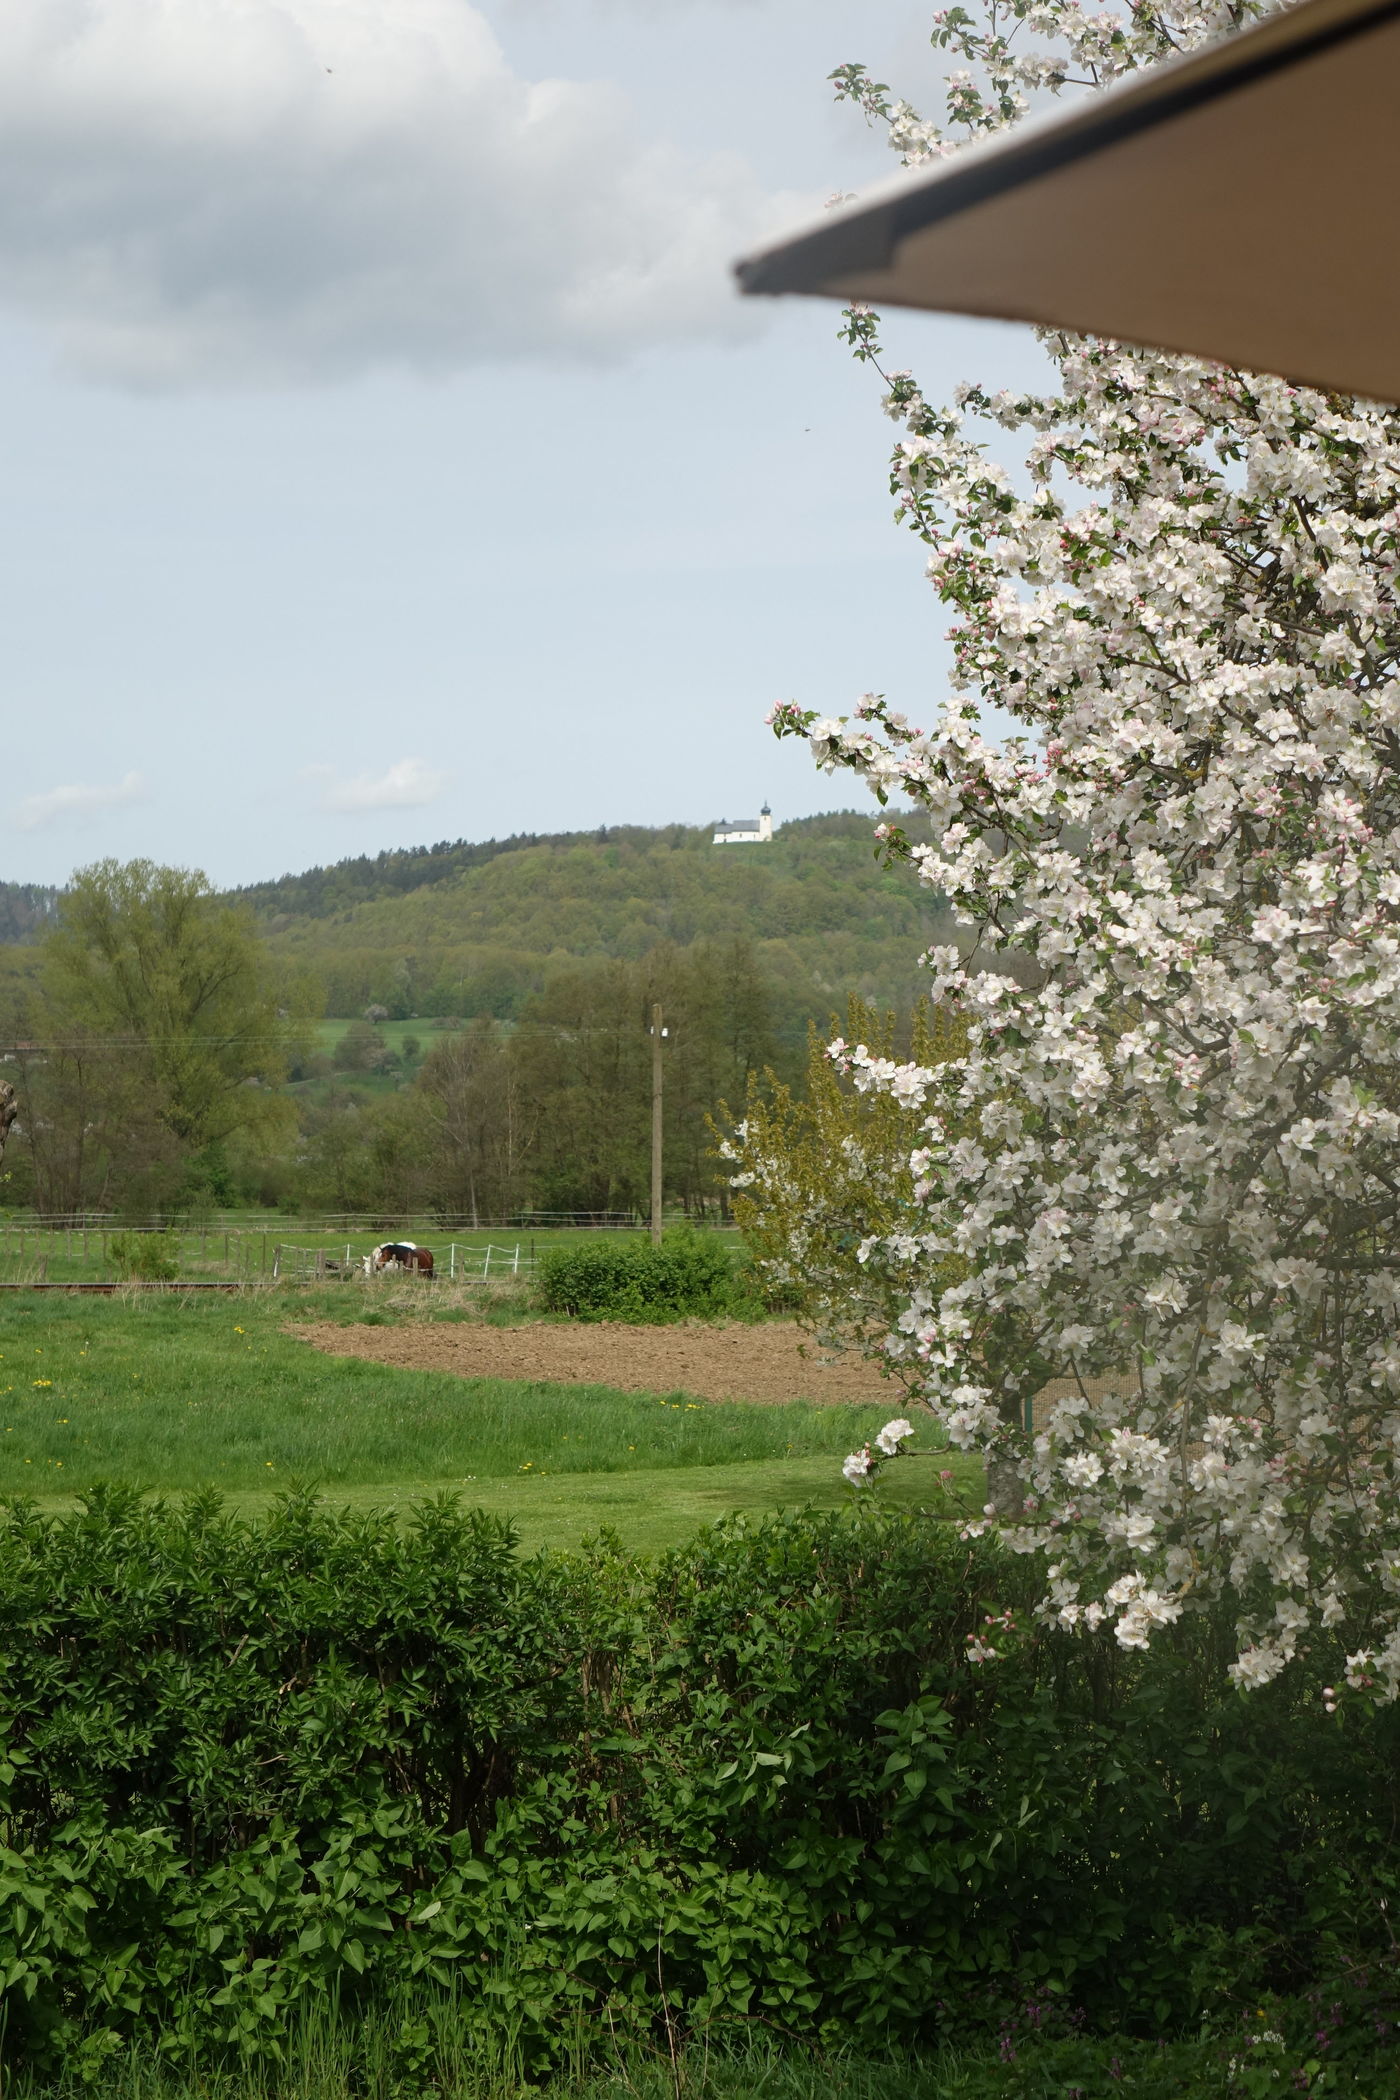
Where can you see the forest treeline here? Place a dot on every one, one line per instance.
(463, 928)
(551, 1112)
(319, 892)
(169, 1053)
(26, 908)
(823, 916)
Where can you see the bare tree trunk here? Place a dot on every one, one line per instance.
(1006, 1479)
(9, 1109)
(1006, 1487)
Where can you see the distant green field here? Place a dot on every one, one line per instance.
(174, 1395)
(425, 1032)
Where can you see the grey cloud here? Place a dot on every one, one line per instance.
(271, 191)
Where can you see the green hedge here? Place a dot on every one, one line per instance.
(251, 1768)
(691, 1275)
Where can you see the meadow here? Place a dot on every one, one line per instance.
(172, 1394)
(258, 1742)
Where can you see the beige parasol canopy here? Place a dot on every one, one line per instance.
(1242, 204)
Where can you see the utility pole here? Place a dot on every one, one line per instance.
(657, 1033)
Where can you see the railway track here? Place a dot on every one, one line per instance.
(105, 1290)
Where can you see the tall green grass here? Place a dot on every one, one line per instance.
(405, 2055)
(171, 1395)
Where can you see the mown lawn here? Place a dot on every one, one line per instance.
(170, 1395)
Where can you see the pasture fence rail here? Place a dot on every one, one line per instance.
(76, 1248)
(215, 1222)
(464, 1264)
(474, 1264)
(311, 1264)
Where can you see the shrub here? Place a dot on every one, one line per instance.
(145, 1257)
(249, 1768)
(691, 1275)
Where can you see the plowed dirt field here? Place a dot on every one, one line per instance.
(719, 1362)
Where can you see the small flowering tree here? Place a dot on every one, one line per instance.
(825, 1173)
(1171, 1152)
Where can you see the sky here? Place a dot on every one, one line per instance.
(385, 455)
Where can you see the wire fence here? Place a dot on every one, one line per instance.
(36, 1250)
(471, 1263)
(462, 1265)
(41, 1250)
(310, 1264)
(317, 1222)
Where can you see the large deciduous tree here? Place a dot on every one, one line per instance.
(474, 1125)
(1183, 1165)
(158, 1034)
(583, 1059)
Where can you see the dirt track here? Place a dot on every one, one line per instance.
(730, 1362)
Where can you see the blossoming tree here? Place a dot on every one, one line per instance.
(1171, 1153)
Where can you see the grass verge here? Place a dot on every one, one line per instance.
(171, 1395)
(649, 1511)
(392, 2060)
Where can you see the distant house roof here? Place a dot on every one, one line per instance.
(737, 824)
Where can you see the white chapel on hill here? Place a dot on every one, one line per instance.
(746, 831)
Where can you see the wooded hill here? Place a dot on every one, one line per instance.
(523, 975)
(483, 926)
(26, 908)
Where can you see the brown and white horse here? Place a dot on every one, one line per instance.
(399, 1254)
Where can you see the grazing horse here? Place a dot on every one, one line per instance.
(399, 1254)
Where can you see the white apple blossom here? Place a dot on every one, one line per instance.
(1177, 1155)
